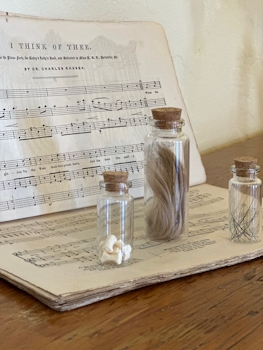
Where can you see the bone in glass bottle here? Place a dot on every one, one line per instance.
(115, 220)
(245, 201)
(166, 182)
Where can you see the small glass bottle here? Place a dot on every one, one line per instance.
(166, 180)
(245, 201)
(115, 220)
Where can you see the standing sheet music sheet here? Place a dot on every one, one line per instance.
(75, 100)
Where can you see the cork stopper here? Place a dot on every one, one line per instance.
(244, 165)
(169, 114)
(115, 180)
(115, 176)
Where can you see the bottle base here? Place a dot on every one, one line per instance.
(114, 264)
(245, 241)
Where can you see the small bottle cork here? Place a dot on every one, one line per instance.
(169, 114)
(113, 179)
(244, 165)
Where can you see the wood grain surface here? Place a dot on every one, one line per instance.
(220, 309)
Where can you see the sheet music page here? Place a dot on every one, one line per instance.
(75, 100)
(55, 256)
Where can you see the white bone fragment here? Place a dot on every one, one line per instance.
(127, 249)
(110, 241)
(115, 258)
(126, 252)
(119, 244)
(116, 250)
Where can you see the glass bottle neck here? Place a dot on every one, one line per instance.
(250, 177)
(172, 131)
(245, 175)
(120, 188)
(167, 126)
(116, 193)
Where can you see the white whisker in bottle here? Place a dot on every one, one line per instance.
(245, 201)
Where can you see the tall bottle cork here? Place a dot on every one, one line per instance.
(166, 117)
(167, 113)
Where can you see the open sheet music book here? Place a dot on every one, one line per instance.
(53, 257)
(75, 99)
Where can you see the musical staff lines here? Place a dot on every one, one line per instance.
(67, 175)
(80, 108)
(84, 250)
(197, 200)
(71, 129)
(76, 222)
(208, 223)
(51, 198)
(51, 224)
(203, 203)
(79, 251)
(77, 90)
(69, 156)
(47, 229)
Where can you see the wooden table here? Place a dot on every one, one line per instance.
(220, 309)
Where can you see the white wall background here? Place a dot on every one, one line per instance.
(217, 48)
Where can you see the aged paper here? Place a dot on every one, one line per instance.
(54, 257)
(75, 100)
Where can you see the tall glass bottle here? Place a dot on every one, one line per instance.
(115, 220)
(166, 184)
(245, 201)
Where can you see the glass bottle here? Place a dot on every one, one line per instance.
(245, 201)
(166, 179)
(115, 220)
